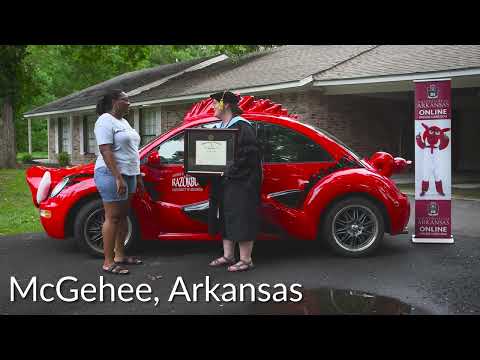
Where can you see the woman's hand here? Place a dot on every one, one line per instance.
(140, 184)
(121, 185)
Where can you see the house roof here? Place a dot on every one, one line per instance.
(127, 82)
(281, 67)
(405, 59)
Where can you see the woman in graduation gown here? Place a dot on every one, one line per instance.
(235, 196)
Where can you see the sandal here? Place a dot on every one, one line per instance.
(116, 269)
(241, 266)
(222, 261)
(129, 260)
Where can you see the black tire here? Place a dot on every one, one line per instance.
(353, 227)
(91, 215)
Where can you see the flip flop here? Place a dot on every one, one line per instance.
(116, 269)
(129, 260)
(241, 266)
(218, 262)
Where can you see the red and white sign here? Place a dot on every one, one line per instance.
(433, 113)
(183, 182)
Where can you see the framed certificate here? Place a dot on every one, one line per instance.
(209, 151)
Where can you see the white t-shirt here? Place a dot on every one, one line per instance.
(125, 140)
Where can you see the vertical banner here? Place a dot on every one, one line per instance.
(433, 165)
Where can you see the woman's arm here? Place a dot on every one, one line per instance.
(140, 184)
(107, 154)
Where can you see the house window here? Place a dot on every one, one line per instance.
(148, 124)
(89, 141)
(63, 135)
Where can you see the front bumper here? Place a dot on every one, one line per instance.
(53, 214)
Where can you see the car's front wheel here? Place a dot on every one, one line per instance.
(88, 229)
(353, 227)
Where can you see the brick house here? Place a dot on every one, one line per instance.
(363, 94)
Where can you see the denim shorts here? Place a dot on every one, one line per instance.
(107, 186)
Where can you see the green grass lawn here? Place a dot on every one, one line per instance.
(17, 212)
(35, 155)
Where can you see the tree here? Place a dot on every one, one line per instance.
(59, 70)
(166, 54)
(12, 74)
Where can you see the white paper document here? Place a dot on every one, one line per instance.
(211, 153)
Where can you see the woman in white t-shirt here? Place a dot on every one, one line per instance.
(117, 176)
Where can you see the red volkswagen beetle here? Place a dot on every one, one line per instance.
(315, 188)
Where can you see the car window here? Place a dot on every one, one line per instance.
(171, 151)
(209, 125)
(334, 138)
(280, 144)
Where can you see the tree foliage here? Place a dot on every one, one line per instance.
(59, 70)
(171, 53)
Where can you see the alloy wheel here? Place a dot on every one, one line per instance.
(355, 228)
(93, 230)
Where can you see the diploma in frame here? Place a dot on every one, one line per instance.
(209, 151)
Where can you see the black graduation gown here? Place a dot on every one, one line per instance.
(236, 195)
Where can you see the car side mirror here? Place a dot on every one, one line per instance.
(153, 159)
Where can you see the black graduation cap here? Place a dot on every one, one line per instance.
(227, 96)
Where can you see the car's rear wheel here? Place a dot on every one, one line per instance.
(88, 229)
(354, 227)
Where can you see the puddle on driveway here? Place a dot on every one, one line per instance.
(327, 301)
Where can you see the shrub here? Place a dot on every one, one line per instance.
(63, 159)
(27, 158)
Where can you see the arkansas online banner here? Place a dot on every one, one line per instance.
(433, 113)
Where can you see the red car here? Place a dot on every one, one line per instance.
(314, 188)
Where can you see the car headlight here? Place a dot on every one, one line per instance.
(59, 187)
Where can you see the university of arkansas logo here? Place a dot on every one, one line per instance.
(433, 209)
(432, 91)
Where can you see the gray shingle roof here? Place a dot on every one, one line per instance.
(126, 82)
(279, 65)
(405, 59)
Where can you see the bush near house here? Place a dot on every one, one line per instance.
(27, 158)
(35, 155)
(63, 159)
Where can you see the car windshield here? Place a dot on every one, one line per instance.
(207, 125)
(149, 142)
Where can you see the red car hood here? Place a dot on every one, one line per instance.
(34, 175)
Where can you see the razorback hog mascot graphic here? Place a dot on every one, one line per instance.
(432, 142)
